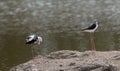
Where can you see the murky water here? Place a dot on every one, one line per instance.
(59, 23)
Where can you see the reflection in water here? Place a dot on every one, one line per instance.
(59, 23)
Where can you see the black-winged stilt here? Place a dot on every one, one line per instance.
(32, 38)
(91, 29)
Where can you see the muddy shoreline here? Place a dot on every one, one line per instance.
(66, 60)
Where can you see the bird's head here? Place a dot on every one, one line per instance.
(39, 40)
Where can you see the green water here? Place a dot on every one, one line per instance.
(59, 23)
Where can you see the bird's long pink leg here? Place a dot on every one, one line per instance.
(92, 41)
(33, 53)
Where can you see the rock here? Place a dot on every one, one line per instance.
(66, 60)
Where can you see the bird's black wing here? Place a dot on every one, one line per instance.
(91, 27)
(32, 41)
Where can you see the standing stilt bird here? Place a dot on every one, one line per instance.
(32, 38)
(91, 29)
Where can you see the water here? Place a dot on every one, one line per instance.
(59, 23)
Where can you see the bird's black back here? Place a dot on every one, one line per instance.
(32, 41)
(91, 27)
